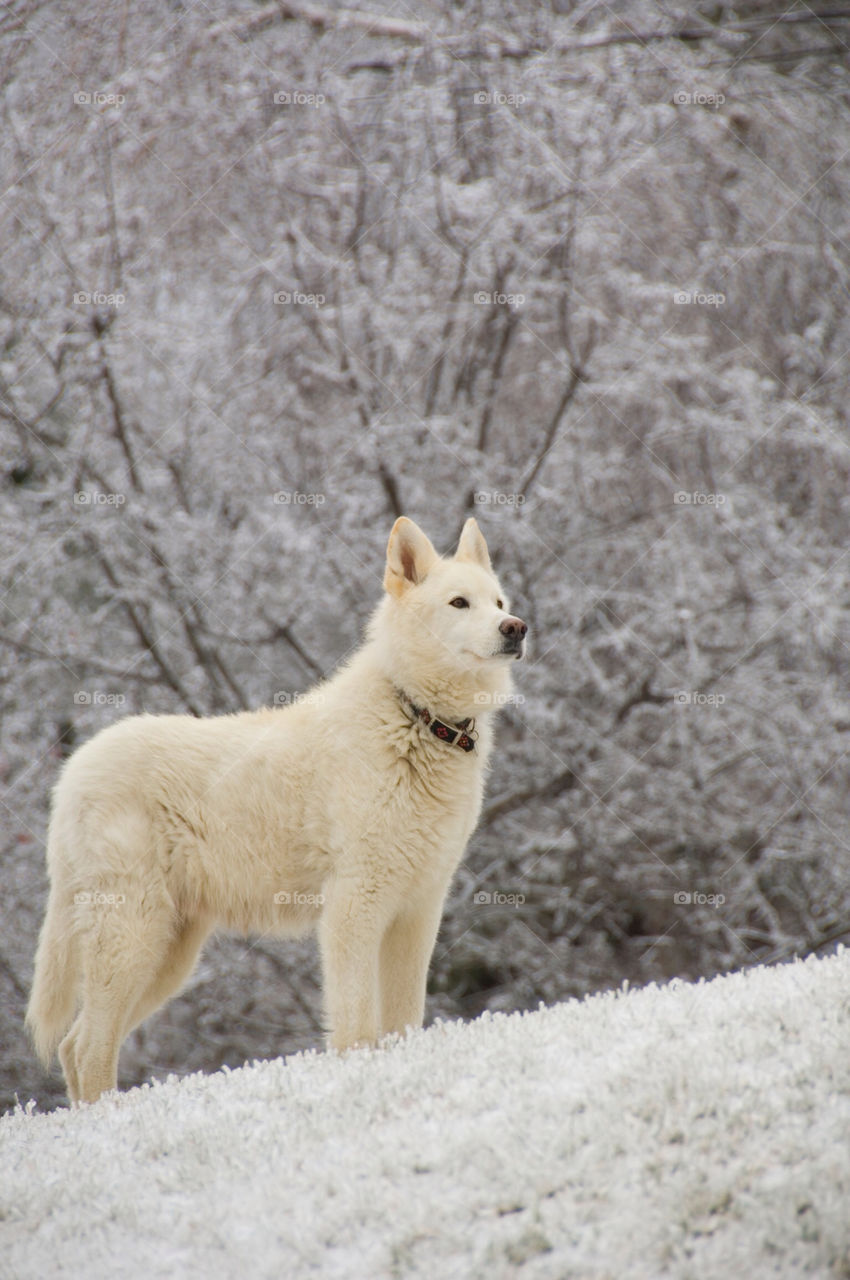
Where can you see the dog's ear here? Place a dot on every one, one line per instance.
(410, 556)
(472, 545)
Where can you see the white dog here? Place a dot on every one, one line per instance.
(347, 812)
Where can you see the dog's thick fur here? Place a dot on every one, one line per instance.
(342, 812)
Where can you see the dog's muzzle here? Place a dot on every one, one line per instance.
(514, 632)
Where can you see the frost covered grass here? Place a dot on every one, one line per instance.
(686, 1130)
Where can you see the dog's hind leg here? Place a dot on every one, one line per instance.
(176, 966)
(119, 957)
(68, 1061)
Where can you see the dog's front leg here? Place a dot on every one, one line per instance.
(349, 939)
(404, 958)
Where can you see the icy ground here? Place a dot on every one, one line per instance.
(683, 1131)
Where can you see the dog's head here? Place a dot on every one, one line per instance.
(449, 618)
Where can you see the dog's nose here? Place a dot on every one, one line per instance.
(513, 628)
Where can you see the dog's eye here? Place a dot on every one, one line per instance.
(500, 604)
(459, 603)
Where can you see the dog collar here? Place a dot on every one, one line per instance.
(460, 735)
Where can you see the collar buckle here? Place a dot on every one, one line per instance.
(462, 735)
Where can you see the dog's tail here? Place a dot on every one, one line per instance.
(53, 998)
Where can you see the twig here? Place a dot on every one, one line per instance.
(148, 639)
(564, 781)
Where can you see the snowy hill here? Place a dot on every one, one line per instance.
(693, 1131)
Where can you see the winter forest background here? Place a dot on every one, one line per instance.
(271, 275)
